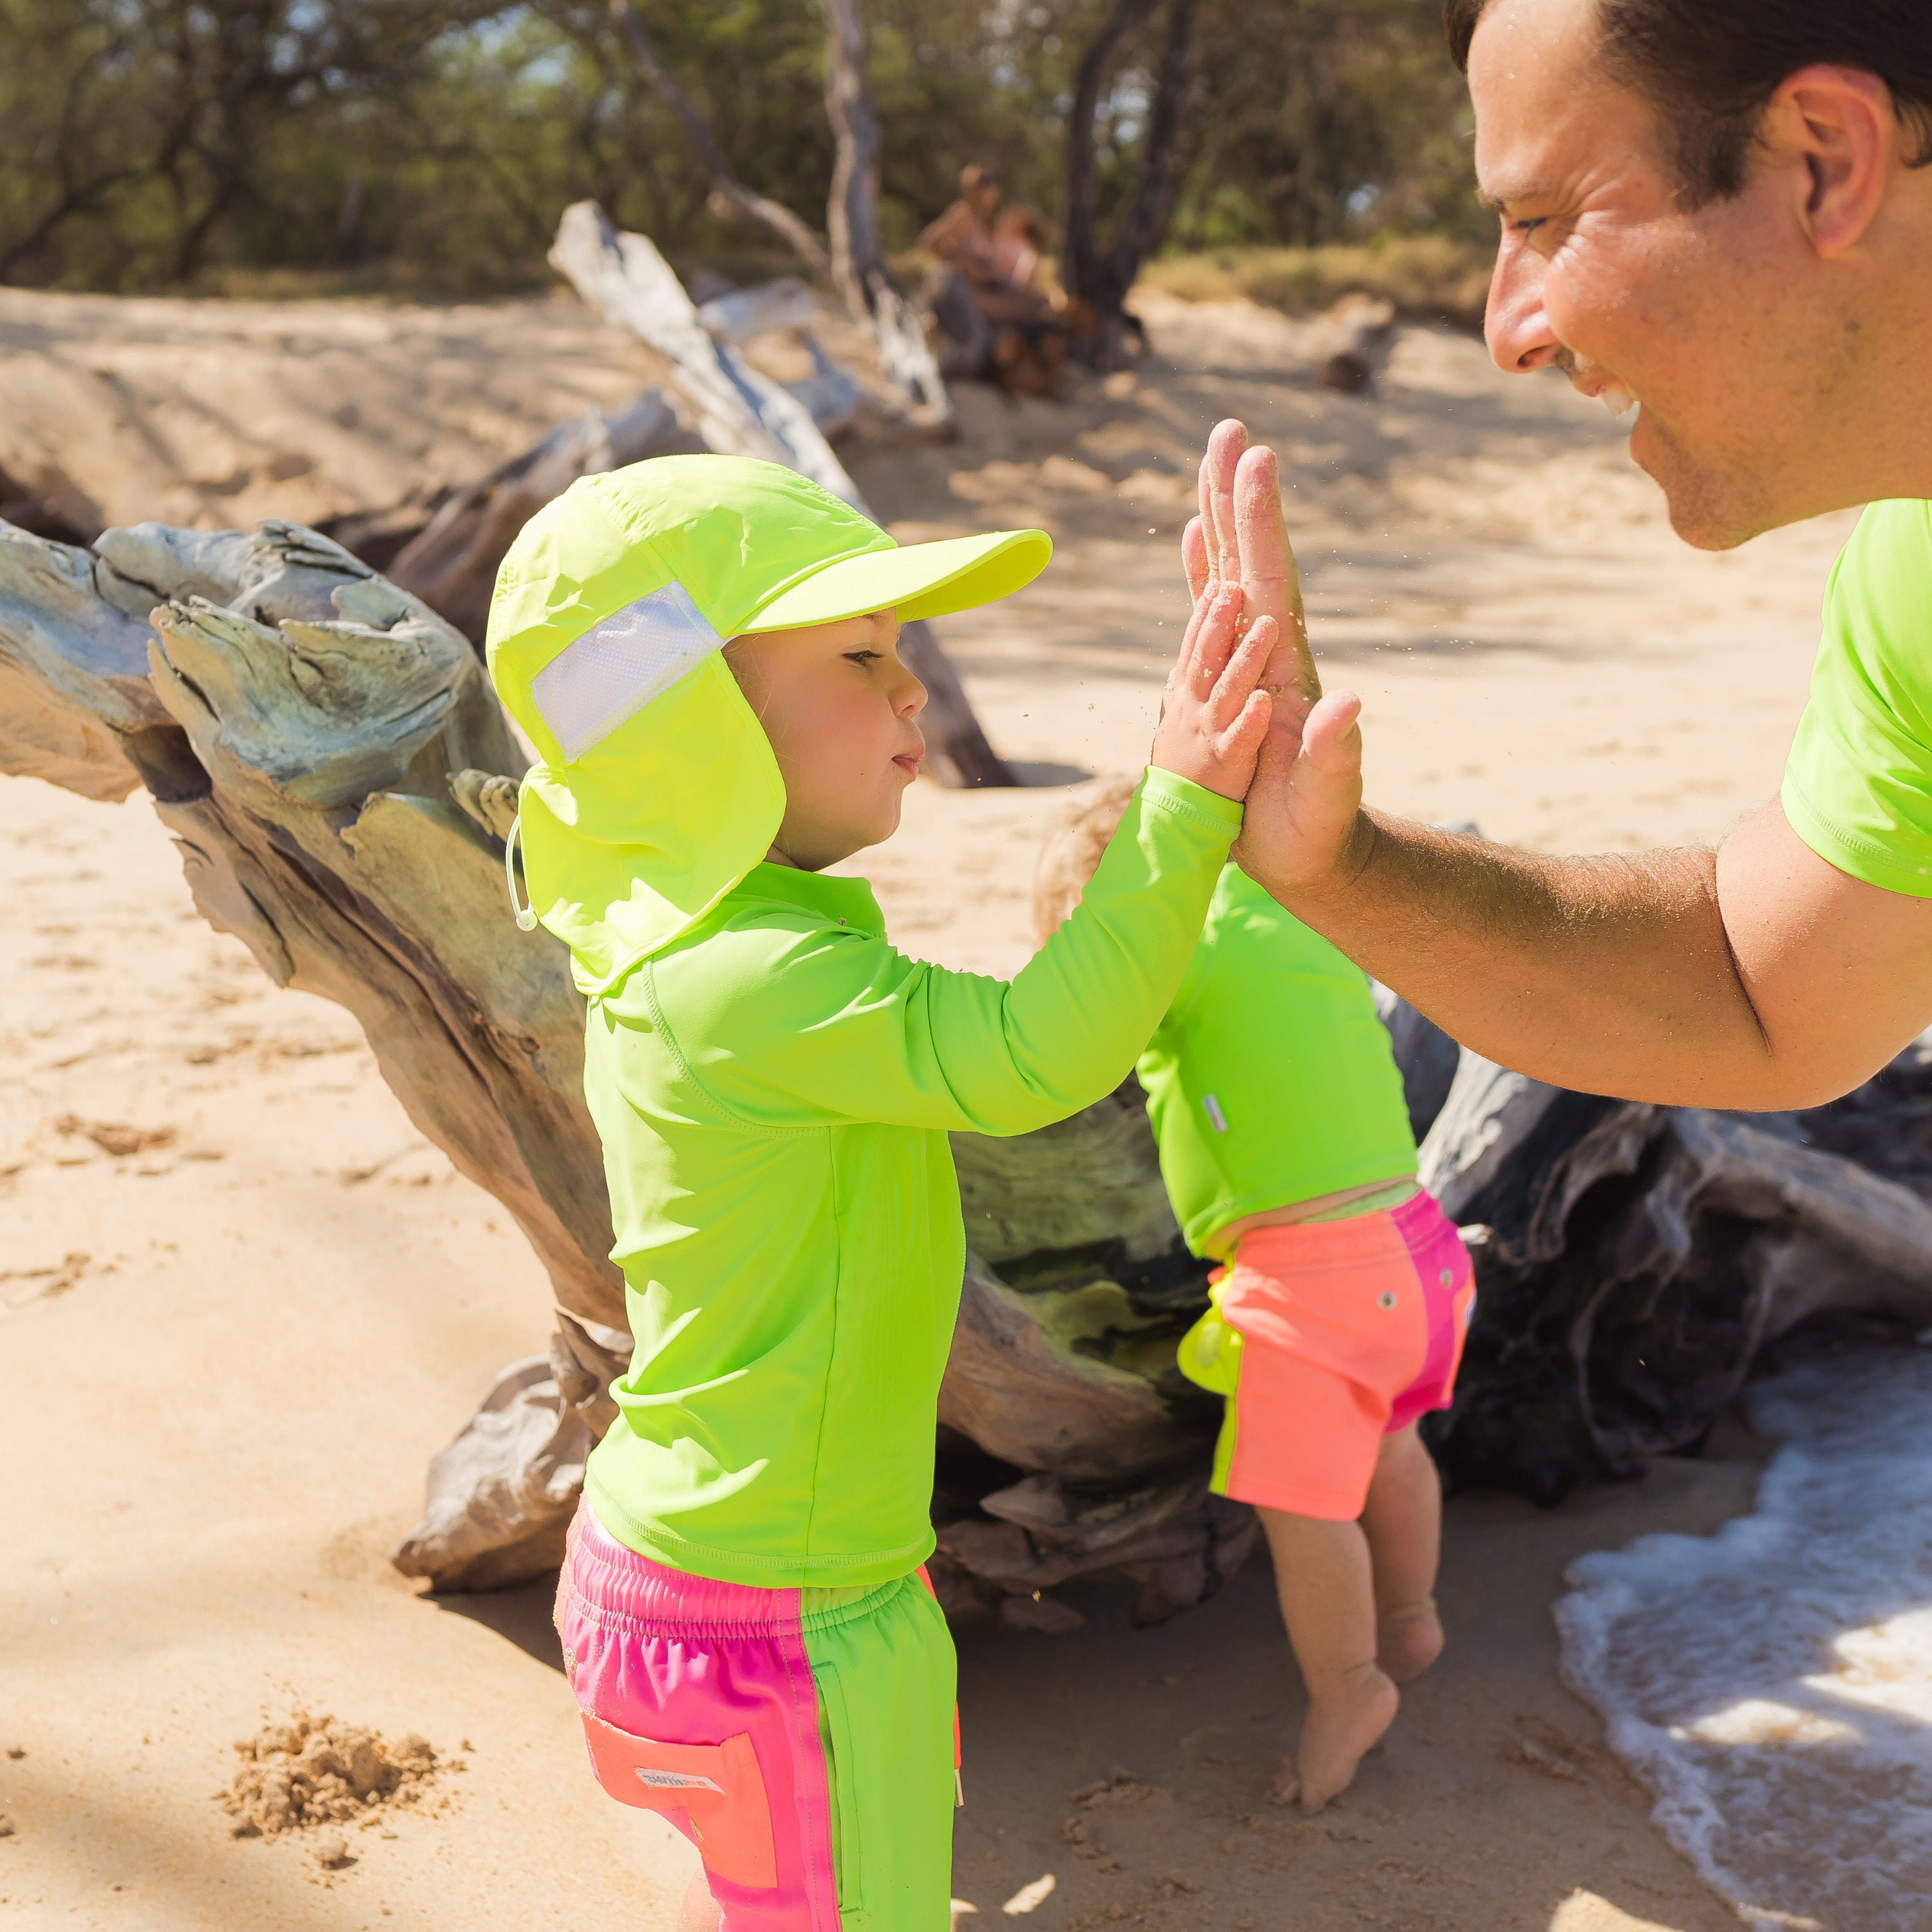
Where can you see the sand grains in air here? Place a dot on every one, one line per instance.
(314, 1771)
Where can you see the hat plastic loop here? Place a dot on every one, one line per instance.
(526, 915)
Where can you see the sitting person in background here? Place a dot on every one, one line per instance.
(1339, 1311)
(962, 238)
(995, 324)
(1021, 236)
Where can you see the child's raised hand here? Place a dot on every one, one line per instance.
(1214, 714)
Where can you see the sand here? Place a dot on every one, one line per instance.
(242, 1303)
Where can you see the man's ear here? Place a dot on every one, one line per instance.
(1841, 122)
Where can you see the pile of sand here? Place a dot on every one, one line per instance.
(313, 1770)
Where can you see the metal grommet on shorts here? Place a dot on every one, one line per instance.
(1386, 1299)
(1447, 1277)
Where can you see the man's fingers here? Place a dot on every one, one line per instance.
(1268, 573)
(1218, 466)
(1194, 558)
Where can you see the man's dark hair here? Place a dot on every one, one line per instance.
(1710, 66)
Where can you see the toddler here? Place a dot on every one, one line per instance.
(1338, 1317)
(702, 650)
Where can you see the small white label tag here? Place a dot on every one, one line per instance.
(676, 1780)
(1211, 1108)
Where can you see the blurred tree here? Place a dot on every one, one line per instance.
(1100, 274)
(432, 143)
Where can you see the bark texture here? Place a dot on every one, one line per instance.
(338, 778)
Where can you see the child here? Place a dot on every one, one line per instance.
(744, 1611)
(1286, 1147)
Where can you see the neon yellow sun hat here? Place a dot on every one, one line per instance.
(655, 790)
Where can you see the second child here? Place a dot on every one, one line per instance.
(1338, 1312)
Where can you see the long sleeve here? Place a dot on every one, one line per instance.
(822, 1024)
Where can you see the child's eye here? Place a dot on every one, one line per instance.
(864, 660)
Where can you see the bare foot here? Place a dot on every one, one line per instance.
(1409, 1641)
(1347, 1716)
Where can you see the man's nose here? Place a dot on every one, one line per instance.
(1518, 332)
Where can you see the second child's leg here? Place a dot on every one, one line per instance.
(1327, 1587)
(1403, 1522)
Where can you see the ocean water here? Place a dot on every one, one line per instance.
(1772, 1684)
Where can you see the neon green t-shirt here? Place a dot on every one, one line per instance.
(1271, 1080)
(774, 1090)
(1858, 786)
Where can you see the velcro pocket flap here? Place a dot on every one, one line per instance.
(718, 1786)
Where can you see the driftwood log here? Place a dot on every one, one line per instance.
(338, 776)
(742, 412)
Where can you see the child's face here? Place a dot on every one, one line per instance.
(841, 713)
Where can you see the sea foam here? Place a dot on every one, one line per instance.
(1773, 1683)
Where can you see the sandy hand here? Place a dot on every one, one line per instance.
(1304, 813)
(1214, 716)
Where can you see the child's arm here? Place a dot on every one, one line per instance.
(797, 1029)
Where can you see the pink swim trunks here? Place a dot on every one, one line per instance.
(1324, 1337)
(804, 1741)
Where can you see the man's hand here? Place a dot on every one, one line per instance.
(1303, 827)
(1214, 714)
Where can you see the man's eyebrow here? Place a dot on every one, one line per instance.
(1497, 200)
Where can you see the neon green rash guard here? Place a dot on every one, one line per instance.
(1858, 786)
(1271, 1081)
(774, 1090)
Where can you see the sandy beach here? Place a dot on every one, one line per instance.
(242, 1302)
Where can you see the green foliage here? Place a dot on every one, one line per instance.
(429, 146)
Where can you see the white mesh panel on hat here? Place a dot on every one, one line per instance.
(608, 675)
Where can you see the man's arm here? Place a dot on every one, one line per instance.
(1757, 976)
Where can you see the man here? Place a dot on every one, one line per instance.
(1721, 209)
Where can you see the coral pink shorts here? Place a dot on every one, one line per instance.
(1324, 1337)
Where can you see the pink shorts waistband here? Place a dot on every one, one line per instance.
(1298, 1244)
(651, 1598)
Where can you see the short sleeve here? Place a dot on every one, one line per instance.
(1858, 786)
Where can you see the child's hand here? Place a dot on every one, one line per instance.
(1214, 714)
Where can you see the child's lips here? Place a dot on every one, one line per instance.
(908, 762)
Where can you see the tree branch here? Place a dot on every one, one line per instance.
(727, 187)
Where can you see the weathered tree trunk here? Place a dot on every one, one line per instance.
(452, 563)
(743, 412)
(1102, 277)
(338, 776)
(858, 268)
(729, 195)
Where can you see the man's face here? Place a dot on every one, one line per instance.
(1707, 319)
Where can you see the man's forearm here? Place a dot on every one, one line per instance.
(1610, 975)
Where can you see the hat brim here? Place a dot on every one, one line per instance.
(916, 580)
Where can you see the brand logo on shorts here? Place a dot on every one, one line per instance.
(1211, 1108)
(675, 1780)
